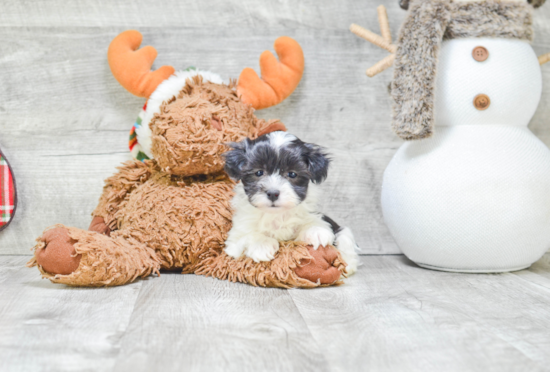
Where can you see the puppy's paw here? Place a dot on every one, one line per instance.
(345, 243)
(262, 249)
(233, 249)
(317, 236)
(352, 259)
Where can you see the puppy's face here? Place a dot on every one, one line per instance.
(275, 169)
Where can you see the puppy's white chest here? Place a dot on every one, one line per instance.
(278, 227)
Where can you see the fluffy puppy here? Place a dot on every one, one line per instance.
(276, 198)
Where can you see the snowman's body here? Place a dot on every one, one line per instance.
(475, 196)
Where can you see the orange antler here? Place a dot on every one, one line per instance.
(279, 79)
(132, 66)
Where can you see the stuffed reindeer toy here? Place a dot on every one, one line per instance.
(170, 207)
(469, 191)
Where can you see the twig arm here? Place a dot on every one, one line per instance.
(544, 58)
(383, 41)
(372, 37)
(381, 66)
(384, 23)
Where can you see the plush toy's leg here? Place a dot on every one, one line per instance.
(76, 257)
(295, 265)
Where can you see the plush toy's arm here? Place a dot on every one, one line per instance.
(117, 188)
(295, 265)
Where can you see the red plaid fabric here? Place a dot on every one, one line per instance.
(7, 193)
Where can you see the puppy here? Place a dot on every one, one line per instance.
(276, 198)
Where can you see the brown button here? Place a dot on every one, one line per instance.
(480, 53)
(482, 102)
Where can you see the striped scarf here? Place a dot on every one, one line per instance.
(135, 148)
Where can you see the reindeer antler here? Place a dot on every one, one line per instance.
(383, 41)
(279, 79)
(132, 66)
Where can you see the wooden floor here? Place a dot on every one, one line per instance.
(64, 124)
(391, 316)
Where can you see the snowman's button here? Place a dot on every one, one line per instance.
(482, 102)
(480, 53)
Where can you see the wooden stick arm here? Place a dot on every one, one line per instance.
(383, 41)
(384, 23)
(372, 37)
(381, 66)
(544, 58)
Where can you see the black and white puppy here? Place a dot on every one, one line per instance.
(276, 198)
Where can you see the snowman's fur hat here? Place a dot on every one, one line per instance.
(428, 23)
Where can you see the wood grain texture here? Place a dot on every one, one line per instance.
(209, 14)
(396, 316)
(391, 316)
(192, 323)
(64, 120)
(48, 327)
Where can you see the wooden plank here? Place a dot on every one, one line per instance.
(193, 323)
(396, 316)
(391, 316)
(541, 45)
(538, 274)
(65, 144)
(47, 327)
(56, 184)
(209, 14)
(64, 119)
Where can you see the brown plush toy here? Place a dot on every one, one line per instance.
(172, 210)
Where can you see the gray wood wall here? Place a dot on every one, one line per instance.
(64, 120)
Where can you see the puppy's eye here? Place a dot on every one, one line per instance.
(259, 173)
(292, 174)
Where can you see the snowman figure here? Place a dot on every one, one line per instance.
(470, 191)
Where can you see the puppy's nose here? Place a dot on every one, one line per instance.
(273, 195)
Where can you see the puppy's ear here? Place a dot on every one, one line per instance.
(317, 162)
(235, 159)
(536, 3)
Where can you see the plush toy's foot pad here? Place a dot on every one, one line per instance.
(77, 257)
(321, 268)
(58, 255)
